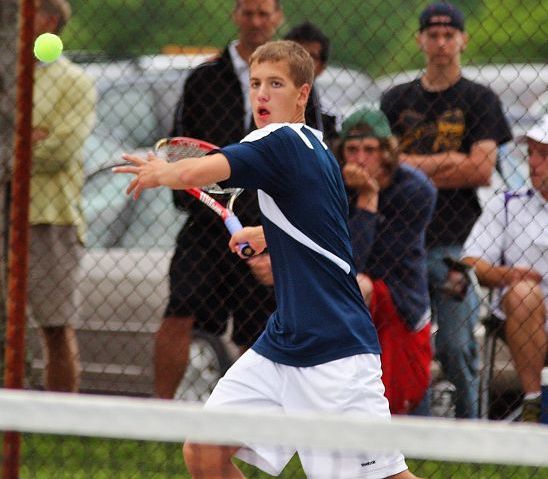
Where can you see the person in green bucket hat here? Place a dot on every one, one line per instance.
(390, 208)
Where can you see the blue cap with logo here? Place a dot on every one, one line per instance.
(441, 14)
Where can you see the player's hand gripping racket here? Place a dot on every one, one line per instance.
(180, 147)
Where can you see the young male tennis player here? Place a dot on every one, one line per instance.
(319, 351)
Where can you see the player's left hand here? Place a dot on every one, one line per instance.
(146, 171)
(254, 235)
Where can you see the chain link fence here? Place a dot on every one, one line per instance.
(138, 56)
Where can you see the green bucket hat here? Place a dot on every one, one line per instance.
(375, 119)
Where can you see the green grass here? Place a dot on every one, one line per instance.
(59, 457)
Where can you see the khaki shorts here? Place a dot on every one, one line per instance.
(54, 275)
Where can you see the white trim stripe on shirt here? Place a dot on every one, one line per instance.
(271, 210)
(296, 127)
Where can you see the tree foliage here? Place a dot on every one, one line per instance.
(376, 36)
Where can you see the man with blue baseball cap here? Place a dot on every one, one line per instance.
(449, 127)
(441, 14)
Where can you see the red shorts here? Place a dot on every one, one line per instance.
(406, 354)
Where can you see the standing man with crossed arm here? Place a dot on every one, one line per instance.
(449, 127)
(215, 107)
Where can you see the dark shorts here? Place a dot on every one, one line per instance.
(212, 284)
(406, 354)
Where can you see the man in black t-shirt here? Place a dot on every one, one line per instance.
(449, 127)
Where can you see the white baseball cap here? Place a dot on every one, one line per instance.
(539, 132)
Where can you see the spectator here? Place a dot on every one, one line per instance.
(449, 127)
(207, 283)
(63, 115)
(317, 45)
(508, 248)
(390, 208)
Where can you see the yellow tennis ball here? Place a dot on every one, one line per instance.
(48, 47)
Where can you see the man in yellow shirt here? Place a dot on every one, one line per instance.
(63, 115)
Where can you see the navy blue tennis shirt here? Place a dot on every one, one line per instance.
(321, 315)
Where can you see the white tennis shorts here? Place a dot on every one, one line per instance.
(350, 385)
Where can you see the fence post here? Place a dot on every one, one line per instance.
(8, 37)
(18, 229)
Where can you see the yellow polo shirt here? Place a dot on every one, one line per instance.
(64, 105)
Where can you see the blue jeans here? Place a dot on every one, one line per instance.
(455, 345)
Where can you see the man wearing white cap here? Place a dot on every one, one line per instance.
(508, 249)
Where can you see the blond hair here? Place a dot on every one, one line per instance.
(301, 65)
(60, 8)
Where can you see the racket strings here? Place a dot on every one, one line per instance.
(176, 152)
(180, 148)
(175, 149)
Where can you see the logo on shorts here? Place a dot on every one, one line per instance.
(368, 463)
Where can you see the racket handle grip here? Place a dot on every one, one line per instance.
(233, 225)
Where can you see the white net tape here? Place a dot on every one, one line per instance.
(170, 421)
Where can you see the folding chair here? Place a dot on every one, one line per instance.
(494, 334)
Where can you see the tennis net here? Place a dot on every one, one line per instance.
(66, 435)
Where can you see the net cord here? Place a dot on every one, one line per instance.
(170, 421)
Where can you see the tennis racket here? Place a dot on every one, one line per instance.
(180, 147)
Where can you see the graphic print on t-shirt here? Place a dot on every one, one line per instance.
(445, 133)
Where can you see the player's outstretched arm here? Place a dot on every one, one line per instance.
(254, 235)
(152, 172)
